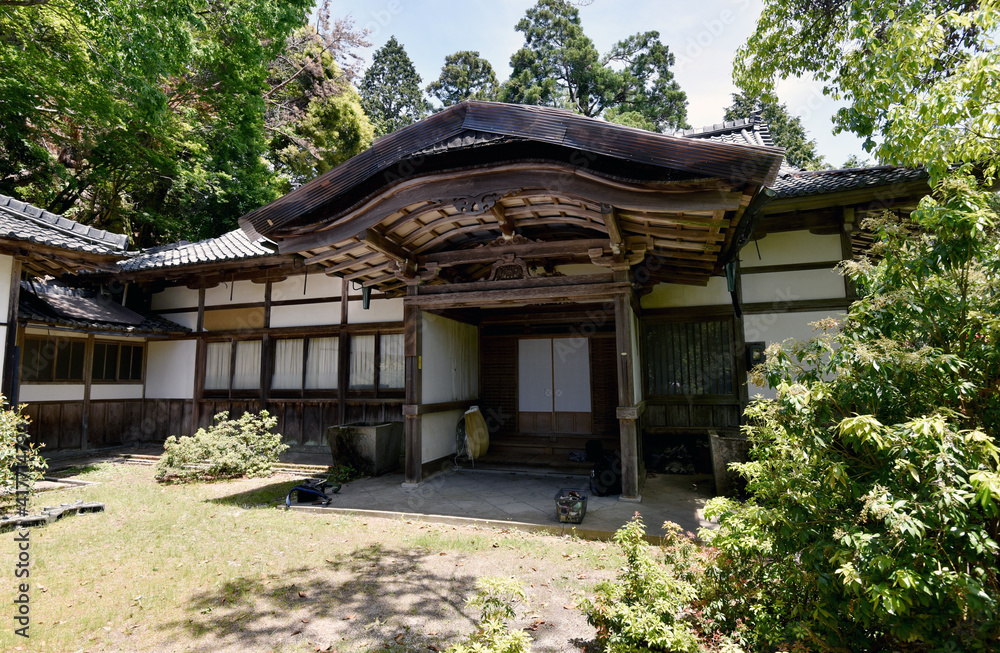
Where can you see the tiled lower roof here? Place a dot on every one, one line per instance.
(86, 310)
(232, 246)
(791, 181)
(22, 221)
(816, 182)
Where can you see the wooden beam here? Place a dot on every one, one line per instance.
(380, 243)
(614, 228)
(521, 296)
(332, 253)
(505, 221)
(526, 251)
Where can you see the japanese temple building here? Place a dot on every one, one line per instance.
(574, 279)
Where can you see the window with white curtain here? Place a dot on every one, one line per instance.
(313, 360)
(217, 361)
(391, 367)
(362, 363)
(243, 368)
(246, 375)
(321, 363)
(288, 355)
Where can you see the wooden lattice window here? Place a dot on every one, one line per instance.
(689, 358)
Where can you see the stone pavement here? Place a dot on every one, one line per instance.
(523, 500)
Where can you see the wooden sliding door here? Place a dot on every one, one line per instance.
(554, 385)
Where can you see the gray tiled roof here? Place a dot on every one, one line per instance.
(22, 221)
(793, 182)
(85, 309)
(232, 246)
(815, 182)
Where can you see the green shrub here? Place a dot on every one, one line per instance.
(872, 522)
(21, 464)
(230, 448)
(643, 609)
(495, 598)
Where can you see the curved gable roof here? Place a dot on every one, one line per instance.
(471, 125)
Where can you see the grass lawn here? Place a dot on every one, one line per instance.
(216, 567)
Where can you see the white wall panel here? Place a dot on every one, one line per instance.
(189, 320)
(240, 292)
(170, 369)
(450, 354)
(777, 328)
(116, 391)
(175, 297)
(783, 287)
(50, 392)
(305, 315)
(791, 247)
(313, 286)
(437, 434)
(672, 295)
(6, 267)
(534, 376)
(381, 310)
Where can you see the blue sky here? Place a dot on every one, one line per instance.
(704, 36)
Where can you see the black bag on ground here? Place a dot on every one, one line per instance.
(606, 476)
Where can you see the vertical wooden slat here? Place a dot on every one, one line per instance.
(11, 364)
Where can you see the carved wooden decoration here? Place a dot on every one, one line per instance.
(504, 241)
(507, 268)
(475, 204)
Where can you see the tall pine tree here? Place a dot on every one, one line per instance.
(464, 76)
(390, 90)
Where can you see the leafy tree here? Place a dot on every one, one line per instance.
(560, 66)
(314, 114)
(142, 118)
(919, 78)
(390, 90)
(874, 516)
(786, 129)
(875, 491)
(855, 161)
(464, 76)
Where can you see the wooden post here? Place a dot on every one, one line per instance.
(411, 352)
(627, 410)
(847, 248)
(88, 378)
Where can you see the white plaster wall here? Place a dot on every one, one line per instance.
(381, 310)
(437, 434)
(783, 287)
(314, 285)
(777, 328)
(174, 297)
(789, 248)
(50, 392)
(450, 355)
(189, 320)
(170, 368)
(305, 315)
(672, 295)
(116, 391)
(6, 266)
(243, 292)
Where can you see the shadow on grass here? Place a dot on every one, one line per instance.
(375, 597)
(263, 497)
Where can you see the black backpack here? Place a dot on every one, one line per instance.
(606, 476)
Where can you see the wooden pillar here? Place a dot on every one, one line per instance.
(88, 379)
(628, 411)
(199, 363)
(411, 415)
(847, 248)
